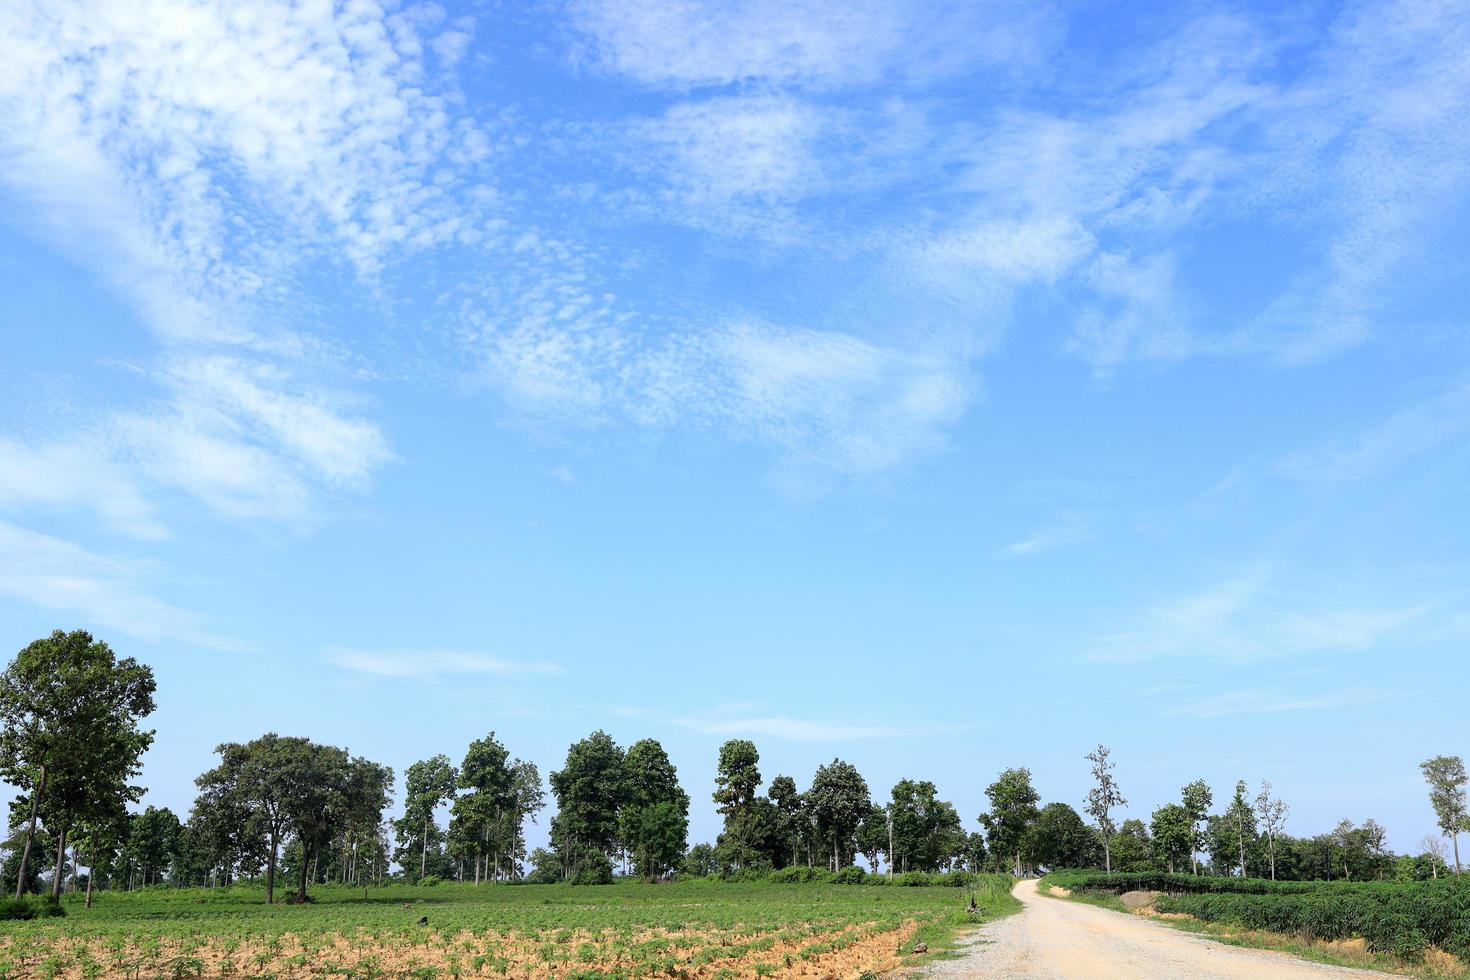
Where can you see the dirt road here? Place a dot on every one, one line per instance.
(1055, 939)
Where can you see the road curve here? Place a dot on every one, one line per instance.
(1054, 939)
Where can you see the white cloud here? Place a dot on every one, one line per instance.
(795, 729)
(54, 574)
(433, 663)
(196, 153)
(683, 43)
(80, 474)
(1253, 617)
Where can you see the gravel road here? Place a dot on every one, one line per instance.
(1054, 939)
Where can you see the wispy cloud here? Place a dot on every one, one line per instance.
(433, 663)
(51, 573)
(782, 726)
(1267, 701)
(805, 43)
(1069, 530)
(1405, 434)
(82, 474)
(1254, 616)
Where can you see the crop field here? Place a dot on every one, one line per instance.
(692, 930)
(1404, 919)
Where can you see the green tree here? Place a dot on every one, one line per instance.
(278, 786)
(654, 822)
(1445, 775)
(1012, 812)
(476, 817)
(1133, 849)
(589, 789)
(839, 800)
(428, 784)
(737, 779)
(69, 712)
(926, 830)
(874, 836)
(1173, 832)
(1102, 798)
(793, 823)
(1060, 839)
(1196, 800)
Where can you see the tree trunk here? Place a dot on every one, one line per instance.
(1273, 856)
(91, 874)
(890, 845)
(25, 854)
(60, 864)
(424, 851)
(270, 872)
(1107, 856)
(301, 879)
(1455, 838)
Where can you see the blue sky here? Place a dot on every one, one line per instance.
(944, 387)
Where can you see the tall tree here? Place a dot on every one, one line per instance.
(428, 784)
(478, 816)
(737, 778)
(792, 822)
(1446, 777)
(839, 800)
(1241, 819)
(1272, 814)
(655, 815)
(1012, 812)
(69, 710)
(589, 790)
(1196, 799)
(1103, 797)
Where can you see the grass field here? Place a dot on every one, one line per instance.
(690, 929)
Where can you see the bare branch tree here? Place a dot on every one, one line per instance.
(1272, 813)
(1103, 797)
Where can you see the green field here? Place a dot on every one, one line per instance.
(688, 929)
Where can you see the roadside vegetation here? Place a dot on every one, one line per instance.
(1405, 923)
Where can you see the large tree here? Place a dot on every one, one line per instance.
(69, 712)
(839, 801)
(589, 789)
(477, 821)
(1240, 822)
(926, 831)
(792, 821)
(1060, 839)
(1446, 777)
(1173, 833)
(737, 781)
(1012, 812)
(1103, 797)
(654, 822)
(279, 786)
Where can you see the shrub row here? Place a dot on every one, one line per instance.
(1401, 918)
(1184, 884)
(1401, 921)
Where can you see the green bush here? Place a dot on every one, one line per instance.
(800, 875)
(850, 875)
(28, 908)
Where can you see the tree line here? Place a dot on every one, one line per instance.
(71, 743)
